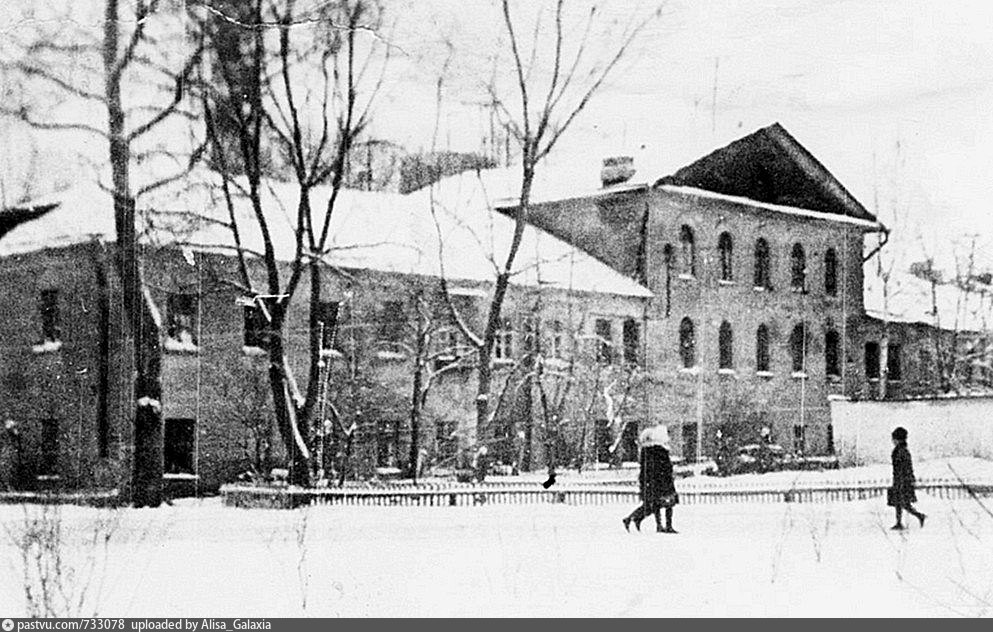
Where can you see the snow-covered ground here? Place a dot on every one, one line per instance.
(199, 558)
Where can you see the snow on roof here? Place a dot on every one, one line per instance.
(909, 300)
(369, 230)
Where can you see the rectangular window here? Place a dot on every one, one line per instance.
(49, 308)
(327, 316)
(532, 327)
(181, 319)
(689, 442)
(604, 344)
(799, 438)
(178, 447)
(444, 347)
(503, 345)
(556, 340)
(256, 325)
(872, 360)
(392, 322)
(48, 465)
(893, 364)
(386, 445)
(632, 341)
(830, 439)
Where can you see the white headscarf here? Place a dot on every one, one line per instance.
(655, 435)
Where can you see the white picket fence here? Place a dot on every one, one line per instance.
(690, 492)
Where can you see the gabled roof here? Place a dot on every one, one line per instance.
(369, 230)
(770, 166)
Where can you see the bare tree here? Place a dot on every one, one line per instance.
(302, 81)
(126, 72)
(553, 81)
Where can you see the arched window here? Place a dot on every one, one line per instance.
(725, 340)
(798, 269)
(687, 343)
(798, 348)
(688, 250)
(726, 249)
(762, 278)
(830, 272)
(762, 348)
(832, 364)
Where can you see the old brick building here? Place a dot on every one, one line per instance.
(728, 295)
(754, 256)
(68, 411)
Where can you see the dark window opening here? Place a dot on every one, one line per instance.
(181, 314)
(798, 269)
(798, 348)
(687, 343)
(327, 318)
(386, 445)
(832, 363)
(688, 250)
(830, 439)
(762, 277)
(392, 321)
(556, 340)
(762, 348)
(799, 438)
(604, 344)
(49, 307)
(725, 248)
(894, 371)
(726, 346)
(178, 447)
(830, 272)
(503, 344)
(689, 442)
(532, 329)
(632, 341)
(872, 360)
(256, 326)
(49, 462)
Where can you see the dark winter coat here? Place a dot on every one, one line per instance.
(902, 492)
(655, 480)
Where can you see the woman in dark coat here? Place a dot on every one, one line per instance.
(655, 481)
(901, 496)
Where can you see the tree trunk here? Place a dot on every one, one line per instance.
(292, 429)
(147, 469)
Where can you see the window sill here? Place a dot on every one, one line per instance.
(690, 370)
(765, 374)
(391, 355)
(759, 288)
(171, 345)
(503, 362)
(253, 351)
(725, 282)
(49, 346)
(730, 372)
(180, 476)
(799, 375)
(331, 353)
(686, 277)
(47, 477)
(798, 290)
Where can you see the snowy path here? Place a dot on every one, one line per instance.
(200, 558)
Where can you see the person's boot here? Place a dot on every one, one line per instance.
(627, 524)
(897, 527)
(921, 518)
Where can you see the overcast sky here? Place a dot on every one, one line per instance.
(893, 96)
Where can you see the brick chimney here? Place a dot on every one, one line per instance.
(616, 170)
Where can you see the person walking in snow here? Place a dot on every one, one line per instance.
(901, 495)
(657, 488)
